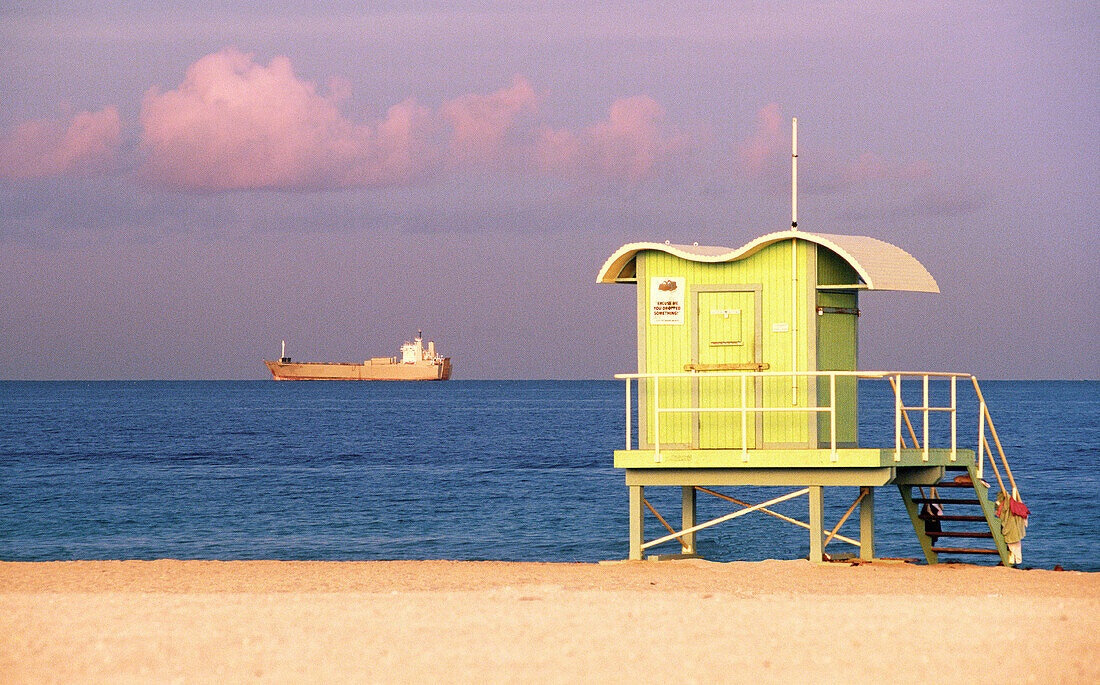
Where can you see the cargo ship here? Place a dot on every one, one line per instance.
(415, 364)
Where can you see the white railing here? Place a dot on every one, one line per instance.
(901, 411)
(744, 409)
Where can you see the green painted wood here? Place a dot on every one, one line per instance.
(920, 475)
(667, 348)
(637, 521)
(989, 510)
(817, 524)
(867, 524)
(726, 334)
(687, 519)
(857, 477)
(832, 269)
(837, 345)
(838, 350)
(787, 458)
(767, 336)
(918, 523)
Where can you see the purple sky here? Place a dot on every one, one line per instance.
(182, 188)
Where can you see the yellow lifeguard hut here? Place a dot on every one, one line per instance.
(747, 375)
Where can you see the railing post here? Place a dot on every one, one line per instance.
(832, 415)
(924, 457)
(954, 421)
(897, 419)
(656, 418)
(628, 419)
(744, 421)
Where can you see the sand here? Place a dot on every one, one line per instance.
(466, 622)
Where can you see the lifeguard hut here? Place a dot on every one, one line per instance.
(748, 375)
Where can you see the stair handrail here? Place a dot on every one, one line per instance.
(987, 419)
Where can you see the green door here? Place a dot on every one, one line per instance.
(727, 342)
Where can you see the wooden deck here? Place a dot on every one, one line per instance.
(789, 466)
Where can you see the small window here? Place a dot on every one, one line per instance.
(725, 328)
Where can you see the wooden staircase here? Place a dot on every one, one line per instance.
(978, 508)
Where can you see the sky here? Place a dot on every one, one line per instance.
(182, 188)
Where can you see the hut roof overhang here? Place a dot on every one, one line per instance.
(880, 265)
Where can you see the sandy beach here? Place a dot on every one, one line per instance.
(678, 621)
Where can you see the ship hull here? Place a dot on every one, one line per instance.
(320, 371)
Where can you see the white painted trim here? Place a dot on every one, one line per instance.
(880, 265)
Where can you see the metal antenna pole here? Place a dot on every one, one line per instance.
(794, 174)
(794, 261)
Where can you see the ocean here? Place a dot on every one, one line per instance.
(463, 470)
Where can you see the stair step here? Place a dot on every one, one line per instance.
(963, 550)
(953, 484)
(957, 534)
(944, 500)
(951, 517)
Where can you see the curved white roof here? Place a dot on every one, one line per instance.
(880, 265)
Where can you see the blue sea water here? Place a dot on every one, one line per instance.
(510, 470)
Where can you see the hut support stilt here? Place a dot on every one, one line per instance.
(867, 523)
(637, 521)
(687, 542)
(817, 523)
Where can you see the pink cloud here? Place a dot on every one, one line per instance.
(86, 142)
(481, 124)
(233, 123)
(630, 145)
(763, 147)
(236, 124)
(767, 151)
(871, 167)
(557, 150)
(632, 142)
